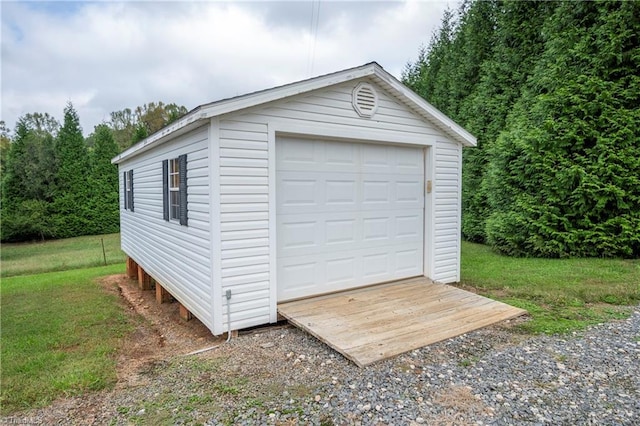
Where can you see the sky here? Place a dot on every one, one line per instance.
(108, 55)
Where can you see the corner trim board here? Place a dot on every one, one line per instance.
(216, 252)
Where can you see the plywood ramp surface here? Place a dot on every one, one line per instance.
(374, 323)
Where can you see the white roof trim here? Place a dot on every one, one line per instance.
(225, 106)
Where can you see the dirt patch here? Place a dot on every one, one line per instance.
(159, 331)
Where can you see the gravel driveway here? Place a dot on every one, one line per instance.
(283, 376)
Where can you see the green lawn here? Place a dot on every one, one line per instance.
(560, 294)
(59, 334)
(59, 255)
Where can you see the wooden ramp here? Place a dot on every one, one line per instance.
(374, 323)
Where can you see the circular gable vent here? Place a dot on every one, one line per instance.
(365, 100)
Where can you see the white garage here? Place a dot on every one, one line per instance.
(348, 215)
(332, 183)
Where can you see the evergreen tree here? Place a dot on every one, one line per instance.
(29, 180)
(551, 92)
(104, 207)
(425, 76)
(564, 177)
(517, 46)
(72, 189)
(449, 75)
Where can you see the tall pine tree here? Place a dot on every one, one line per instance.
(518, 44)
(426, 76)
(72, 179)
(564, 177)
(104, 207)
(449, 75)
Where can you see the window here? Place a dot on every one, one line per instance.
(174, 189)
(128, 190)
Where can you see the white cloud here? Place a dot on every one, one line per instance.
(108, 56)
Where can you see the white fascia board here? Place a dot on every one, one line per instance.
(448, 125)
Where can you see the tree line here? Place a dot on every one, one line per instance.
(552, 92)
(58, 184)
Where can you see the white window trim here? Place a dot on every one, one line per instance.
(174, 170)
(127, 190)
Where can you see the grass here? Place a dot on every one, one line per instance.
(60, 331)
(560, 294)
(59, 255)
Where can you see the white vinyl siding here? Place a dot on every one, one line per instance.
(332, 109)
(446, 236)
(244, 222)
(178, 257)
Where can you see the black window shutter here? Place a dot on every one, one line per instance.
(131, 192)
(126, 194)
(165, 189)
(182, 164)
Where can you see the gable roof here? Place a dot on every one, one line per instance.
(372, 70)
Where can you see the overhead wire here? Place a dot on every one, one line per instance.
(313, 32)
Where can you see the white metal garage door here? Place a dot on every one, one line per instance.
(348, 215)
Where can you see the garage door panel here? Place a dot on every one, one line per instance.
(313, 233)
(329, 192)
(338, 156)
(298, 192)
(341, 269)
(408, 227)
(341, 231)
(409, 192)
(298, 234)
(341, 192)
(376, 265)
(376, 228)
(391, 159)
(378, 158)
(407, 162)
(376, 191)
(408, 261)
(331, 272)
(312, 156)
(309, 252)
(347, 215)
(305, 275)
(295, 156)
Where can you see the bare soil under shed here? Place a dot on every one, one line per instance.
(159, 332)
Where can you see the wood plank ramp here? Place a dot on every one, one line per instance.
(375, 323)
